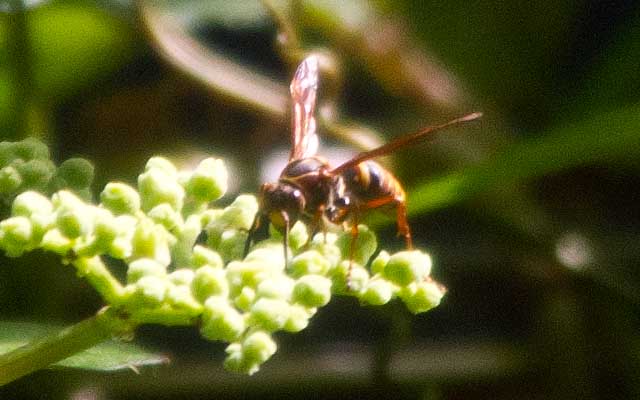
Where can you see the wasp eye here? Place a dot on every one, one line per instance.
(342, 202)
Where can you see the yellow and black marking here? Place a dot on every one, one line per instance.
(369, 180)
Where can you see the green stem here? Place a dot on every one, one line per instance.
(19, 68)
(60, 345)
(99, 276)
(167, 316)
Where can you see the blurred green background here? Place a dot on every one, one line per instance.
(532, 214)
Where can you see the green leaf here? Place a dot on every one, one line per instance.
(108, 356)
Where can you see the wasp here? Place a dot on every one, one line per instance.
(310, 189)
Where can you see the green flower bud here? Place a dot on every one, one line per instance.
(377, 292)
(151, 241)
(299, 316)
(163, 165)
(182, 277)
(54, 241)
(156, 187)
(240, 213)
(120, 198)
(38, 209)
(29, 149)
(270, 314)
(234, 361)
(378, 264)
(16, 234)
(278, 287)
(312, 291)
(150, 291)
(74, 173)
(209, 281)
(202, 256)
(250, 273)
(29, 203)
(105, 228)
(220, 321)
(210, 216)
(422, 296)
(64, 199)
(270, 253)
(309, 262)
(209, 181)
(407, 266)
(363, 248)
(298, 235)
(35, 174)
(179, 296)
(73, 223)
(324, 238)
(245, 299)
(231, 245)
(166, 216)
(349, 277)
(142, 267)
(329, 250)
(121, 247)
(257, 348)
(185, 236)
(73, 216)
(10, 180)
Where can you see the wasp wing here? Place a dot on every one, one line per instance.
(304, 87)
(401, 142)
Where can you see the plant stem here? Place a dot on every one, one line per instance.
(60, 345)
(19, 68)
(99, 276)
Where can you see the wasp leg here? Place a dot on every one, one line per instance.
(252, 232)
(403, 225)
(352, 249)
(317, 224)
(285, 218)
(400, 205)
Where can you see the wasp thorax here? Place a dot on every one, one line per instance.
(282, 203)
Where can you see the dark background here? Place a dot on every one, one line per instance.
(538, 246)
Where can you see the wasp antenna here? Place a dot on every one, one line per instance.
(402, 142)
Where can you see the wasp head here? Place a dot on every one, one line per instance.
(282, 203)
(338, 210)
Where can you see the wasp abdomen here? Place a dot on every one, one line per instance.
(369, 181)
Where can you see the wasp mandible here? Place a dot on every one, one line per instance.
(309, 188)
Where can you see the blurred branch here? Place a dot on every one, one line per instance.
(239, 82)
(210, 69)
(386, 49)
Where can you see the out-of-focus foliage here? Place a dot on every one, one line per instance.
(69, 48)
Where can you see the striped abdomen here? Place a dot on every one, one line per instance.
(369, 182)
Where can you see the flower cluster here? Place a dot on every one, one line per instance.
(176, 278)
(26, 165)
